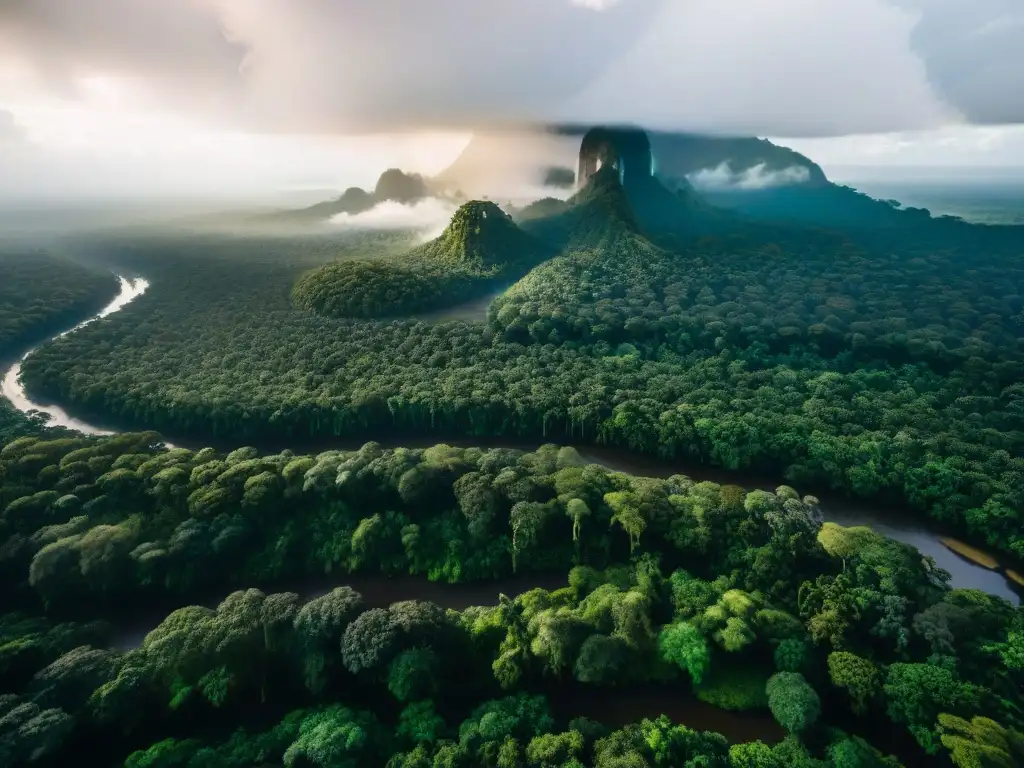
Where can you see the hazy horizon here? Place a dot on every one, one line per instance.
(230, 100)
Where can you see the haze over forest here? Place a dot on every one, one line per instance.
(547, 384)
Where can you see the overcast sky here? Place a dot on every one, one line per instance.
(101, 94)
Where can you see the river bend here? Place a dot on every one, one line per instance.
(902, 527)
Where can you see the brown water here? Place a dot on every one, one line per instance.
(611, 707)
(895, 523)
(899, 524)
(13, 390)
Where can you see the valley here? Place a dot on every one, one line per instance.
(549, 470)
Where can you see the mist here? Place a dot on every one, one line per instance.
(510, 164)
(756, 177)
(164, 171)
(427, 217)
(345, 66)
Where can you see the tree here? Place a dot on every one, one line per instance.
(625, 508)
(412, 675)
(577, 510)
(319, 627)
(526, 519)
(980, 742)
(419, 723)
(369, 642)
(336, 737)
(1012, 651)
(755, 754)
(557, 636)
(683, 645)
(68, 681)
(602, 660)
(28, 732)
(917, 693)
(791, 656)
(854, 752)
(793, 702)
(519, 717)
(860, 678)
(553, 750)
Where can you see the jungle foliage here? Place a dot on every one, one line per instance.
(41, 295)
(743, 601)
(886, 367)
(479, 249)
(670, 582)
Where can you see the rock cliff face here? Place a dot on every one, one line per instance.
(490, 159)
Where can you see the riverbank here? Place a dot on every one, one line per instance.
(894, 522)
(12, 388)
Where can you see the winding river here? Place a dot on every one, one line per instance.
(13, 390)
(614, 708)
(895, 523)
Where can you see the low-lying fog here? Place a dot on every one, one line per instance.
(222, 180)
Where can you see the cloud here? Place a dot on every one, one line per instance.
(755, 177)
(162, 47)
(595, 5)
(10, 131)
(428, 217)
(785, 67)
(509, 164)
(790, 67)
(973, 54)
(963, 145)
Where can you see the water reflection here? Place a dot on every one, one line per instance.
(14, 391)
(894, 523)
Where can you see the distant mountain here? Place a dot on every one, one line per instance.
(604, 209)
(393, 184)
(501, 163)
(401, 187)
(681, 155)
(754, 177)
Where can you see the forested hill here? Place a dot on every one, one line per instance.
(481, 237)
(604, 210)
(480, 247)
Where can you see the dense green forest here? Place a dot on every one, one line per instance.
(41, 295)
(743, 598)
(481, 248)
(886, 368)
(172, 608)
